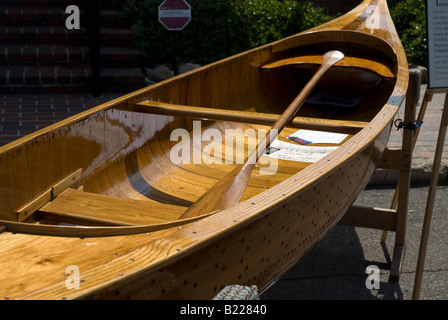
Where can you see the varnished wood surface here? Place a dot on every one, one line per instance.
(125, 154)
(350, 62)
(319, 124)
(127, 211)
(229, 190)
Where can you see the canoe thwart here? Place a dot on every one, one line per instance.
(330, 125)
(379, 68)
(48, 195)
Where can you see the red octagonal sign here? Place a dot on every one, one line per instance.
(174, 14)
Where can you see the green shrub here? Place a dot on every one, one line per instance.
(409, 17)
(219, 28)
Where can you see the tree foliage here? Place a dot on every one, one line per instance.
(219, 28)
(409, 17)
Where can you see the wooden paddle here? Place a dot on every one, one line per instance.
(228, 192)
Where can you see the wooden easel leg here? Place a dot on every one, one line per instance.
(430, 200)
(400, 231)
(405, 177)
(426, 99)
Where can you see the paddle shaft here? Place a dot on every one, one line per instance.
(293, 108)
(228, 192)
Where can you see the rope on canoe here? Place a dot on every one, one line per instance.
(237, 292)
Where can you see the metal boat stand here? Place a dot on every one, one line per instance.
(397, 159)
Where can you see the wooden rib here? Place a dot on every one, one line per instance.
(93, 231)
(29, 208)
(330, 125)
(354, 62)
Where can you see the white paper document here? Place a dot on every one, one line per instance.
(293, 152)
(305, 137)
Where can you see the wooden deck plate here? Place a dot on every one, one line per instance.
(111, 209)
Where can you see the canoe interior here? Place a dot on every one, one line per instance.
(127, 176)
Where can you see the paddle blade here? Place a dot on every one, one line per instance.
(331, 57)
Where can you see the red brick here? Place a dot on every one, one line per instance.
(79, 76)
(42, 15)
(57, 14)
(16, 75)
(60, 33)
(14, 53)
(60, 54)
(75, 54)
(5, 139)
(4, 15)
(120, 56)
(45, 33)
(124, 77)
(29, 54)
(43, 124)
(4, 33)
(63, 76)
(14, 14)
(32, 76)
(29, 14)
(45, 53)
(30, 33)
(4, 75)
(3, 52)
(57, 89)
(48, 75)
(14, 33)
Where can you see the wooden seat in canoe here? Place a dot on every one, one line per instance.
(380, 68)
(73, 206)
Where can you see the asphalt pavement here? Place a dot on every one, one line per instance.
(335, 269)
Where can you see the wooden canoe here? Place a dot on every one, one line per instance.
(100, 192)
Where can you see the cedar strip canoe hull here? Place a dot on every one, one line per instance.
(124, 153)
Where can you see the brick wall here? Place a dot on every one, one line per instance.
(38, 54)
